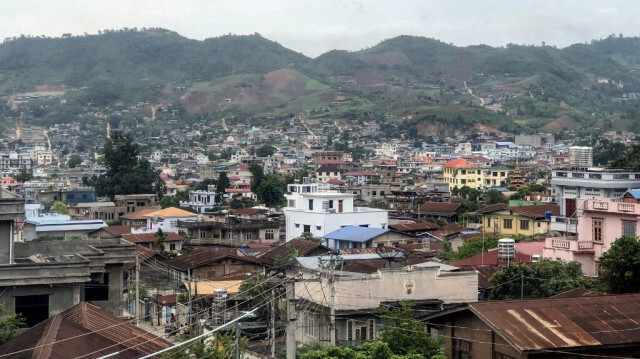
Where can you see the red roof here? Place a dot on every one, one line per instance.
(491, 258)
(457, 163)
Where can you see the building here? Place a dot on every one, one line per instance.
(465, 172)
(537, 140)
(83, 330)
(358, 297)
(212, 262)
(599, 223)
(593, 326)
(12, 162)
(165, 219)
(364, 237)
(520, 220)
(201, 201)
(320, 212)
(580, 156)
(58, 227)
(571, 185)
(222, 228)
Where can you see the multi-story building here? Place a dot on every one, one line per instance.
(496, 176)
(465, 172)
(600, 222)
(319, 212)
(581, 156)
(201, 201)
(13, 162)
(571, 185)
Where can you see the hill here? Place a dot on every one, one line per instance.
(515, 88)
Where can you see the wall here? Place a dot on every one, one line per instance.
(329, 222)
(116, 287)
(61, 298)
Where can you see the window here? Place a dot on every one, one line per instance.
(306, 228)
(524, 225)
(461, 349)
(629, 228)
(268, 234)
(340, 205)
(173, 223)
(507, 223)
(292, 203)
(248, 235)
(203, 233)
(33, 308)
(371, 329)
(330, 203)
(97, 289)
(318, 228)
(172, 247)
(597, 230)
(374, 193)
(350, 330)
(488, 222)
(311, 205)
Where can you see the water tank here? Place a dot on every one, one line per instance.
(506, 249)
(547, 215)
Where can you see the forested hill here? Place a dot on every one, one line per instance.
(511, 88)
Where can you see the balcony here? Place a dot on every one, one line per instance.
(563, 224)
(626, 207)
(600, 205)
(570, 244)
(560, 243)
(585, 245)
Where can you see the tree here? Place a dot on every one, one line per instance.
(74, 161)
(265, 151)
(257, 175)
(258, 288)
(222, 184)
(126, 174)
(222, 348)
(239, 201)
(541, 279)
(496, 197)
(270, 191)
(630, 159)
(160, 239)
(9, 324)
(620, 266)
(24, 175)
(59, 207)
(307, 236)
(407, 336)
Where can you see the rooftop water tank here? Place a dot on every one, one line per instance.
(506, 249)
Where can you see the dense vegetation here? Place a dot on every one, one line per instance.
(422, 81)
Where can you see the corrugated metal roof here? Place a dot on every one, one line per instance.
(540, 324)
(356, 233)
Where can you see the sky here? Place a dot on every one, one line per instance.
(313, 27)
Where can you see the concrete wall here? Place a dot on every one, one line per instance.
(6, 229)
(61, 298)
(329, 222)
(116, 287)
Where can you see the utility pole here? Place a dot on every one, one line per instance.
(332, 288)
(237, 334)
(137, 303)
(272, 337)
(522, 286)
(190, 304)
(291, 319)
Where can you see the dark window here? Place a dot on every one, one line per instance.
(172, 247)
(311, 205)
(97, 290)
(306, 228)
(461, 349)
(34, 308)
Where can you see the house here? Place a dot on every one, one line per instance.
(302, 247)
(571, 185)
(324, 173)
(222, 228)
(211, 263)
(593, 326)
(165, 219)
(137, 218)
(364, 237)
(83, 330)
(201, 201)
(358, 297)
(600, 222)
(440, 210)
(465, 172)
(320, 212)
(172, 242)
(58, 227)
(520, 220)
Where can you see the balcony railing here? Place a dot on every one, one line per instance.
(626, 207)
(560, 243)
(600, 205)
(585, 245)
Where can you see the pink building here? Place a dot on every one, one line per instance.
(600, 222)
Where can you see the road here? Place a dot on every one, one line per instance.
(471, 93)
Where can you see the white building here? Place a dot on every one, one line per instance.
(200, 201)
(319, 212)
(165, 219)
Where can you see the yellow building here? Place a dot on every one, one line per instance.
(496, 176)
(521, 220)
(465, 172)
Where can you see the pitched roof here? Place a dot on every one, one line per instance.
(206, 255)
(151, 237)
(457, 163)
(118, 230)
(138, 214)
(355, 233)
(440, 207)
(410, 227)
(248, 211)
(170, 212)
(83, 330)
(491, 258)
(539, 324)
(536, 211)
(303, 247)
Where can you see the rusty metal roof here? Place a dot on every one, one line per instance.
(543, 324)
(207, 255)
(83, 330)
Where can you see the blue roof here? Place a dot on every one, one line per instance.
(634, 192)
(355, 233)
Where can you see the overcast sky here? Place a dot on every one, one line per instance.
(316, 26)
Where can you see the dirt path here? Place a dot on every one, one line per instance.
(471, 93)
(224, 124)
